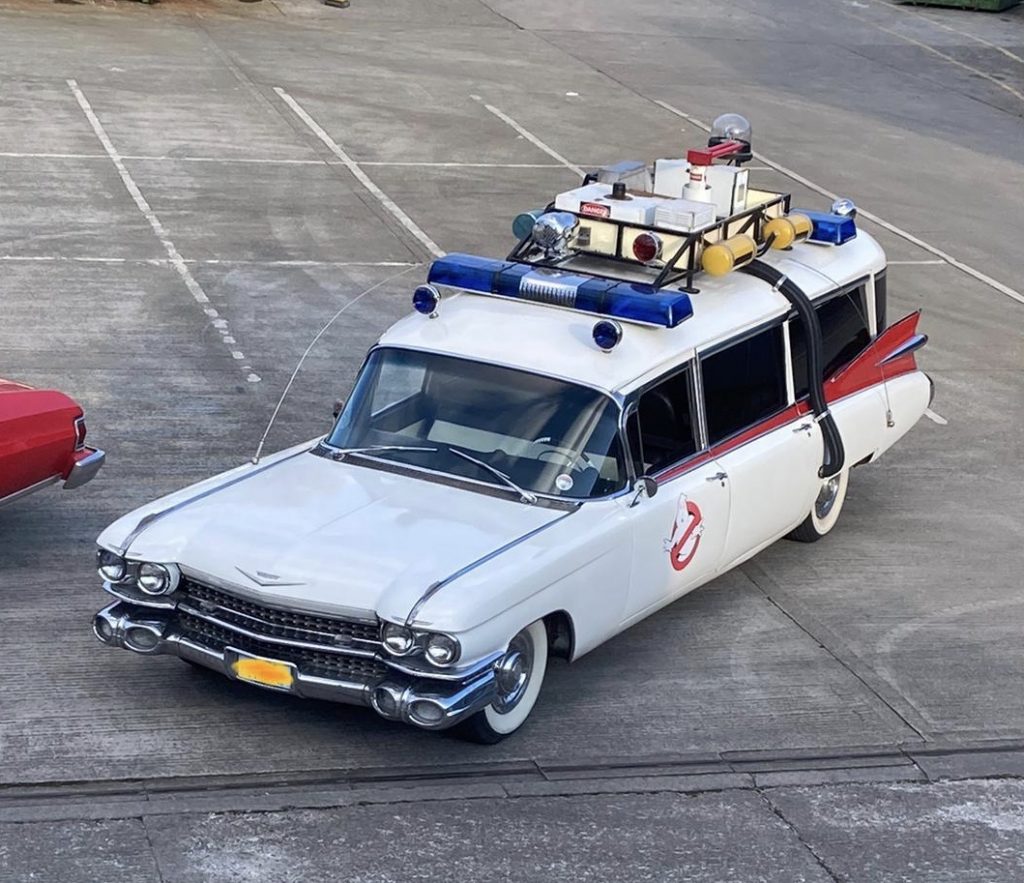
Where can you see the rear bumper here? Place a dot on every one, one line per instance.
(430, 704)
(87, 464)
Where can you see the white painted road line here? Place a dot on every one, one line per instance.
(935, 418)
(271, 161)
(205, 262)
(359, 174)
(946, 27)
(173, 255)
(914, 263)
(892, 228)
(529, 136)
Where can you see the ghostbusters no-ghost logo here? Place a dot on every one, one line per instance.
(686, 533)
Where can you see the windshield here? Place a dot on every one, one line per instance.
(504, 427)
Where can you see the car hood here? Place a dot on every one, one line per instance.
(334, 537)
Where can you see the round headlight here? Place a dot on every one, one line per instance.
(442, 650)
(398, 640)
(154, 579)
(112, 567)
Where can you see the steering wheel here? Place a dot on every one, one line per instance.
(573, 459)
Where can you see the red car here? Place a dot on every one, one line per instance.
(42, 441)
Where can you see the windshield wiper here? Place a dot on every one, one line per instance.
(375, 449)
(524, 494)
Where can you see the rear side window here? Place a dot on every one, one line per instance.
(663, 430)
(844, 334)
(744, 383)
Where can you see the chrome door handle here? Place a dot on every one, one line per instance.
(804, 427)
(718, 476)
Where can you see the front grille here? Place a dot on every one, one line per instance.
(338, 666)
(274, 622)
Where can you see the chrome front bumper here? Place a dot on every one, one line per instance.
(430, 704)
(84, 470)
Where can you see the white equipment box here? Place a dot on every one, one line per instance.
(595, 201)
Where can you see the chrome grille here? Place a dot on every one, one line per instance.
(274, 622)
(317, 663)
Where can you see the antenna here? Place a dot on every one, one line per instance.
(309, 349)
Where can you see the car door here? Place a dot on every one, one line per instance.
(679, 532)
(769, 453)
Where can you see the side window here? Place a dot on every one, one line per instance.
(844, 333)
(664, 430)
(744, 383)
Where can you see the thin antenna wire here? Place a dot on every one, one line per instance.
(309, 349)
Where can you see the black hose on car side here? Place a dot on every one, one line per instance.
(835, 454)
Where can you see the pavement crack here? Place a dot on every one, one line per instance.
(777, 812)
(771, 598)
(152, 850)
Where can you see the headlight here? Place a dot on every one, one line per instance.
(398, 640)
(156, 579)
(442, 650)
(112, 567)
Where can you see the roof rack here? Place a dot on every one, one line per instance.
(684, 262)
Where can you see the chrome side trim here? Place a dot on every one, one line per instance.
(910, 345)
(31, 489)
(440, 584)
(147, 520)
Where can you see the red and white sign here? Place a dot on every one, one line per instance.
(595, 210)
(686, 533)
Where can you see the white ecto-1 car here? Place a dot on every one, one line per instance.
(669, 372)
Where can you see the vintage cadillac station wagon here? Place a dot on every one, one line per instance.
(671, 371)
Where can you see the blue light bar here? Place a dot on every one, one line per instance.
(630, 301)
(829, 229)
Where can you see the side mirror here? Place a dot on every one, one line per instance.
(339, 405)
(644, 486)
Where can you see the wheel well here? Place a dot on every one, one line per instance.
(561, 635)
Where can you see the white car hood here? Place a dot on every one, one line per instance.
(334, 537)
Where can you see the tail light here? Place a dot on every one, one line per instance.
(80, 431)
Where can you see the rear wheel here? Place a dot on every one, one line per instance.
(519, 674)
(825, 511)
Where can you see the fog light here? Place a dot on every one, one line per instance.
(139, 638)
(426, 713)
(385, 703)
(112, 567)
(104, 630)
(442, 650)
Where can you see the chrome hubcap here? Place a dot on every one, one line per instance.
(512, 673)
(827, 497)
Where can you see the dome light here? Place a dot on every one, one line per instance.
(845, 207)
(607, 334)
(426, 300)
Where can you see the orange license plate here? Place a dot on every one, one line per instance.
(265, 672)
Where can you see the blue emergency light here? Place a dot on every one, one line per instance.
(629, 301)
(829, 228)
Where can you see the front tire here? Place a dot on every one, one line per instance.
(520, 676)
(825, 511)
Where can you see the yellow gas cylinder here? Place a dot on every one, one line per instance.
(728, 255)
(794, 227)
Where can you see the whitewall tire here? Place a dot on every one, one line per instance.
(825, 511)
(520, 675)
